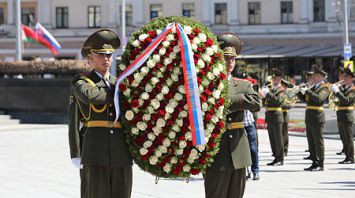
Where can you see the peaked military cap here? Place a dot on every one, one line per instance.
(103, 41)
(341, 70)
(230, 43)
(276, 72)
(348, 72)
(317, 70)
(286, 83)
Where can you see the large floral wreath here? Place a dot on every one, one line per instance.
(154, 104)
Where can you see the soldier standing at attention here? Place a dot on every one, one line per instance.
(227, 175)
(315, 118)
(105, 156)
(285, 108)
(274, 118)
(345, 114)
(341, 74)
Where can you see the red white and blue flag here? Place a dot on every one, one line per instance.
(47, 39)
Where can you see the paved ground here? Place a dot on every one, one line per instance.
(34, 163)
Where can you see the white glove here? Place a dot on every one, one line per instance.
(335, 88)
(76, 162)
(303, 90)
(265, 91)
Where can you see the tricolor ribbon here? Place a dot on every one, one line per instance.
(191, 85)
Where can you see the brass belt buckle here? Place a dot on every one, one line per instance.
(111, 124)
(229, 126)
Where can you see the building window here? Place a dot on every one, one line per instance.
(220, 13)
(2, 16)
(188, 9)
(286, 12)
(155, 11)
(351, 10)
(129, 15)
(28, 16)
(61, 17)
(318, 10)
(94, 15)
(254, 13)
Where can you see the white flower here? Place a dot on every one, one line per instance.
(179, 151)
(136, 43)
(194, 47)
(187, 29)
(206, 58)
(202, 37)
(150, 63)
(209, 51)
(220, 67)
(146, 117)
(156, 58)
(163, 149)
(186, 168)
(158, 153)
(142, 126)
(159, 96)
(122, 67)
(166, 142)
(181, 89)
(155, 103)
(215, 48)
(153, 160)
(188, 136)
(129, 115)
(211, 100)
(167, 167)
(176, 128)
(174, 77)
(144, 70)
(173, 103)
(169, 82)
(183, 114)
(210, 76)
(172, 56)
(158, 31)
(165, 90)
(173, 30)
(138, 77)
(169, 108)
(166, 44)
(127, 92)
(145, 96)
(216, 71)
(176, 70)
(167, 61)
(194, 153)
(219, 114)
(157, 130)
(162, 51)
(221, 86)
(176, 49)
(147, 144)
(201, 63)
(217, 94)
(190, 160)
(154, 80)
(142, 37)
(215, 119)
(143, 151)
(140, 102)
(201, 89)
(172, 134)
(182, 144)
(204, 106)
(210, 127)
(135, 131)
(196, 41)
(178, 97)
(170, 37)
(179, 122)
(200, 147)
(150, 110)
(135, 83)
(205, 82)
(173, 160)
(161, 122)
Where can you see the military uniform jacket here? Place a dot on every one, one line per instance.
(102, 146)
(234, 150)
(346, 99)
(315, 97)
(275, 99)
(285, 107)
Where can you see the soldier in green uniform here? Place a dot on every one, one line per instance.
(227, 175)
(274, 99)
(105, 155)
(285, 107)
(315, 118)
(345, 114)
(309, 81)
(341, 75)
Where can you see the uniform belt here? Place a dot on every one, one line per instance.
(346, 108)
(319, 108)
(285, 110)
(234, 125)
(273, 109)
(103, 123)
(85, 124)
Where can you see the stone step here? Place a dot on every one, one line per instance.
(5, 117)
(9, 122)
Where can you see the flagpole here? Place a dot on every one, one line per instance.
(18, 31)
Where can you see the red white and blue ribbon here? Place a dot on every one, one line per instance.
(191, 85)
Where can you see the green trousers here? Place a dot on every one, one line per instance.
(316, 142)
(346, 129)
(275, 136)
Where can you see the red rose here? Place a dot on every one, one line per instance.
(220, 124)
(182, 138)
(209, 42)
(152, 33)
(203, 160)
(208, 117)
(213, 59)
(184, 129)
(161, 112)
(200, 49)
(211, 144)
(159, 65)
(135, 51)
(208, 92)
(122, 87)
(173, 43)
(148, 40)
(170, 66)
(191, 36)
(144, 157)
(218, 55)
(132, 56)
(196, 31)
(134, 103)
(211, 86)
(199, 80)
(214, 135)
(208, 67)
(189, 143)
(203, 72)
(223, 76)
(221, 101)
(197, 56)
(177, 170)
(211, 111)
(170, 123)
(194, 171)
(203, 98)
